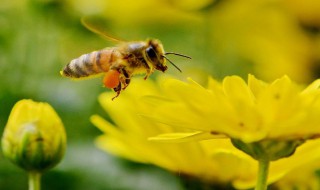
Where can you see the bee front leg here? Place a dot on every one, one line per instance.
(147, 74)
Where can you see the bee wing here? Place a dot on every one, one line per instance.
(95, 29)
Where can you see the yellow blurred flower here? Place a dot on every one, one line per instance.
(304, 177)
(266, 35)
(127, 13)
(34, 137)
(307, 11)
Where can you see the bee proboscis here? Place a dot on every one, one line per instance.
(121, 62)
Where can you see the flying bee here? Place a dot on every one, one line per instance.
(121, 62)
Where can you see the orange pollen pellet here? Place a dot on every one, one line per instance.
(111, 79)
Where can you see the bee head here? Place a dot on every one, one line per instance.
(155, 54)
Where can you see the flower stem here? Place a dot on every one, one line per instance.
(34, 180)
(262, 174)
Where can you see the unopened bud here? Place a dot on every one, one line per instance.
(34, 137)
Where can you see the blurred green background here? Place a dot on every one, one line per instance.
(224, 37)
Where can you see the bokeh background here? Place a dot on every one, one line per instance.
(268, 38)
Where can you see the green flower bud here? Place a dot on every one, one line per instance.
(270, 150)
(34, 137)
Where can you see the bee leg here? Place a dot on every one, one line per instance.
(147, 69)
(149, 72)
(117, 90)
(125, 83)
(125, 80)
(147, 75)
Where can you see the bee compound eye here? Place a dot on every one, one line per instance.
(151, 53)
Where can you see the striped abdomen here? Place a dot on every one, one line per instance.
(90, 64)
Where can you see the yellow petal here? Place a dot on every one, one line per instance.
(314, 86)
(184, 137)
(103, 125)
(237, 91)
(256, 86)
(117, 147)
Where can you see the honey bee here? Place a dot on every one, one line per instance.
(121, 62)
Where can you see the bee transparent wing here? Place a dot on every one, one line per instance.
(89, 24)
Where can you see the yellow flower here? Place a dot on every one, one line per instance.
(250, 112)
(34, 137)
(266, 121)
(307, 178)
(211, 161)
(266, 35)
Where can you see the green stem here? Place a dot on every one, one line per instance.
(262, 174)
(34, 180)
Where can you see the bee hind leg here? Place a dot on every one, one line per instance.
(126, 83)
(117, 90)
(126, 79)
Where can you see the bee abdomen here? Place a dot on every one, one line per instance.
(89, 64)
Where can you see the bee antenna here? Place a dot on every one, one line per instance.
(178, 54)
(172, 63)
